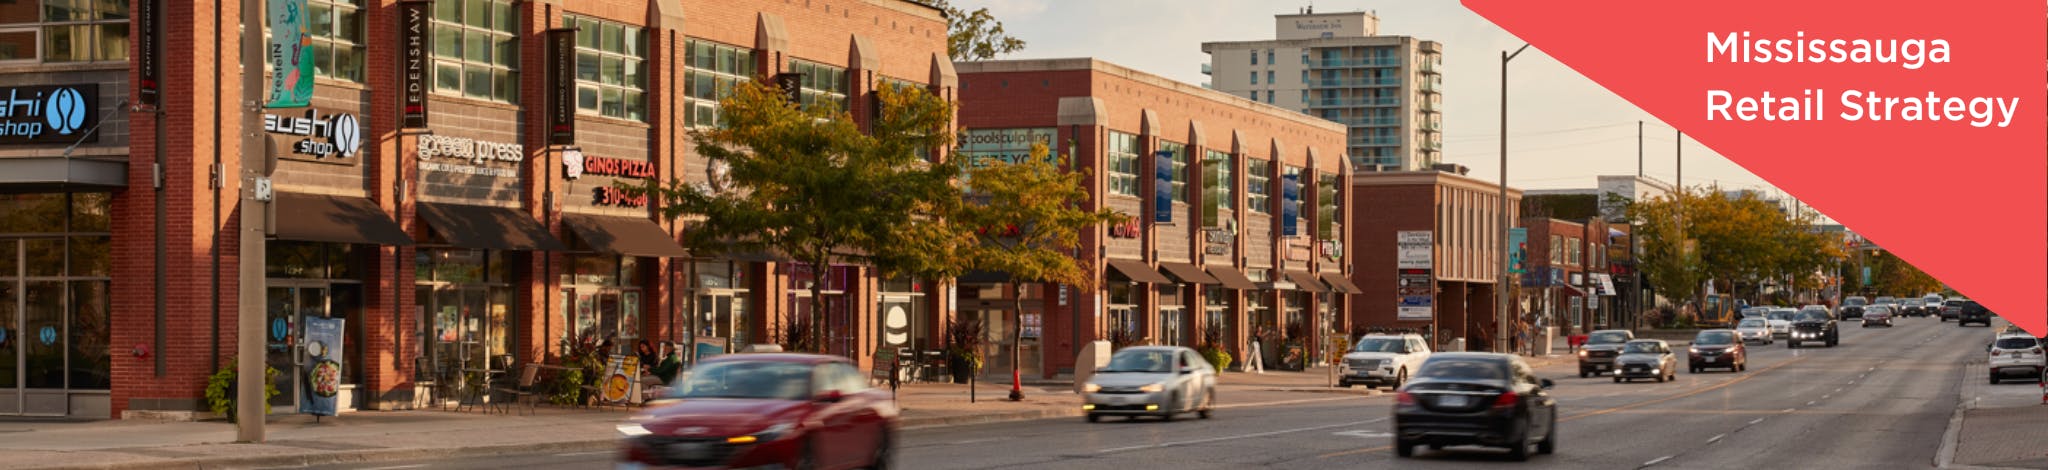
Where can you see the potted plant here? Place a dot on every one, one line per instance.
(220, 390)
(1212, 349)
(963, 348)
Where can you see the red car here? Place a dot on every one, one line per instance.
(796, 411)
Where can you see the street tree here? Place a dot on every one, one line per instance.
(1704, 235)
(806, 183)
(974, 35)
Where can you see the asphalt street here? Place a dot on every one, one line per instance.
(1880, 400)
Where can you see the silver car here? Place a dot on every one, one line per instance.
(1755, 329)
(1161, 381)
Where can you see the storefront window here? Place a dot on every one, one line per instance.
(476, 49)
(1257, 185)
(821, 84)
(1174, 323)
(609, 78)
(1261, 308)
(1122, 310)
(903, 321)
(465, 310)
(1216, 306)
(608, 293)
(1123, 163)
(1297, 315)
(721, 306)
(337, 27)
(54, 293)
(709, 73)
(64, 30)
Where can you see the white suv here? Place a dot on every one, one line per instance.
(1382, 360)
(2016, 355)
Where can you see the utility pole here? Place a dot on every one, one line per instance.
(249, 365)
(1501, 317)
(1639, 149)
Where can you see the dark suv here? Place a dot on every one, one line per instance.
(1597, 355)
(1852, 308)
(1951, 309)
(1814, 325)
(1972, 312)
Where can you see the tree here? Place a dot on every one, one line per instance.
(975, 35)
(1695, 236)
(807, 183)
(1893, 276)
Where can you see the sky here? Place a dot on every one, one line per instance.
(1563, 129)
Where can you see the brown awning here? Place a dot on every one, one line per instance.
(1306, 282)
(488, 228)
(335, 219)
(632, 236)
(1188, 273)
(1137, 271)
(1341, 284)
(1231, 278)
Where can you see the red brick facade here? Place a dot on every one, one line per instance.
(1464, 218)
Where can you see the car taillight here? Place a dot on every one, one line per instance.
(1994, 353)
(2037, 350)
(1404, 398)
(1507, 399)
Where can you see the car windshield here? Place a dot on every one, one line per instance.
(1608, 337)
(1639, 348)
(1463, 369)
(1754, 311)
(2016, 342)
(1714, 337)
(1140, 361)
(1378, 345)
(1811, 315)
(1878, 310)
(1752, 323)
(1854, 302)
(746, 379)
(1781, 315)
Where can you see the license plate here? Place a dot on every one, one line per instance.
(1123, 400)
(688, 450)
(1601, 367)
(1452, 400)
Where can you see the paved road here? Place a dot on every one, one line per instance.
(1880, 400)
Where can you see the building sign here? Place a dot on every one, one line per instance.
(979, 146)
(1127, 229)
(147, 60)
(1162, 187)
(561, 113)
(1218, 240)
(291, 55)
(1412, 248)
(315, 136)
(1333, 250)
(50, 114)
(469, 156)
(413, 22)
(1416, 292)
(576, 165)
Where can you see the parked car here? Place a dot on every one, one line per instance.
(1718, 349)
(1972, 312)
(1162, 381)
(1877, 315)
(1755, 329)
(1814, 325)
(766, 410)
(1597, 355)
(1382, 360)
(1852, 308)
(1476, 399)
(1781, 321)
(1646, 359)
(1952, 308)
(2016, 355)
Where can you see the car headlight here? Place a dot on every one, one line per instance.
(1693, 350)
(1582, 353)
(633, 430)
(764, 435)
(1153, 388)
(1091, 388)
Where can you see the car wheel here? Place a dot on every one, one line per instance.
(1208, 403)
(1584, 374)
(1994, 379)
(1094, 418)
(1791, 345)
(1549, 444)
(1742, 367)
(1436, 447)
(1400, 379)
(885, 454)
(807, 458)
(1403, 449)
(1519, 448)
(1171, 409)
(1617, 380)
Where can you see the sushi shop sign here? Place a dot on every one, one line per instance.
(49, 114)
(315, 135)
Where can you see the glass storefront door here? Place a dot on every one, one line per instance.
(284, 330)
(55, 340)
(470, 328)
(721, 323)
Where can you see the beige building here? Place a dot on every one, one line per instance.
(1387, 90)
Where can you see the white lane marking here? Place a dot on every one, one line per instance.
(1716, 438)
(1657, 461)
(1240, 436)
(1824, 397)
(1809, 403)
(1838, 390)
(574, 454)
(1754, 421)
(1364, 434)
(1789, 410)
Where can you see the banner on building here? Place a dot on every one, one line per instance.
(414, 19)
(148, 58)
(291, 54)
(1416, 289)
(1162, 187)
(1290, 205)
(561, 115)
(324, 353)
(1413, 249)
(1518, 250)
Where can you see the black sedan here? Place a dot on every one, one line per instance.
(1484, 399)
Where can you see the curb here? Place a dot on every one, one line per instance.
(947, 421)
(361, 456)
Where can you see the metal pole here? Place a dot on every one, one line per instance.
(1500, 298)
(249, 366)
(1639, 150)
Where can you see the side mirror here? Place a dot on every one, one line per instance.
(1547, 384)
(831, 396)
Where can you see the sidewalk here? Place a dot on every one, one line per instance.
(1997, 426)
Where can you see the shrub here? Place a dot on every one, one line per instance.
(963, 340)
(220, 390)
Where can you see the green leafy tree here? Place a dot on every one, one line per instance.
(974, 35)
(1704, 235)
(808, 184)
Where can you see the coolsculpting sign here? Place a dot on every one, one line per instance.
(316, 136)
(470, 156)
(57, 114)
(1412, 249)
(979, 146)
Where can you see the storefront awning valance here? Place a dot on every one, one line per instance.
(1137, 271)
(1305, 282)
(983, 277)
(1231, 278)
(1341, 284)
(631, 236)
(335, 219)
(488, 228)
(1188, 273)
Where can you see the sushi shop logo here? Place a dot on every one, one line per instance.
(337, 135)
(47, 114)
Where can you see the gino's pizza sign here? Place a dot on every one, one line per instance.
(575, 164)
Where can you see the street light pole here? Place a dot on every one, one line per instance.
(1500, 289)
(249, 358)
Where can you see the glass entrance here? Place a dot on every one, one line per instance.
(721, 324)
(284, 327)
(470, 328)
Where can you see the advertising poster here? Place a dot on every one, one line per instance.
(324, 353)
(621, 379)
(1417, 291)
(291, 54)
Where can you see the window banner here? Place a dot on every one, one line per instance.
(291, 55)
(324, 353)
(1290, 205)
(1162, 187)
(561, 113)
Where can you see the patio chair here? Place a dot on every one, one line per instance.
(522, 390)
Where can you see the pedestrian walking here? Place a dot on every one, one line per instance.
(1253, 358)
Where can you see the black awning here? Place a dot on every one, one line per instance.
(1306, 282)
(1188, 273)
(631, 236)
(1341, 284)
(335, 219)
(1137, 271)
(488, 228)
(983, 277)
(1231, 278)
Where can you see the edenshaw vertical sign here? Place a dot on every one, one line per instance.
(413, 18)
(562, 86)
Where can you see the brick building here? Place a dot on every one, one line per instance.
(1568, 280)
(1447, 288)
(1237, 210)
(427, 195)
